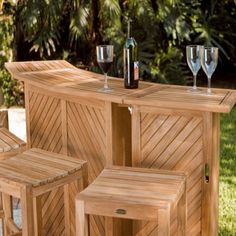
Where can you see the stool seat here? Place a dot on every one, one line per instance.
(31, 176)
(36, 167)
(134, 193)
(9, 143)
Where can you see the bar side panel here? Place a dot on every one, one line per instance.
(172, 141)
(86, 135)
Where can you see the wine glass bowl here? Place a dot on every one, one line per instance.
(104, 59)
(194, 62)
(209, 60)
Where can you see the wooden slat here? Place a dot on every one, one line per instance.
(9, 142)
(35, 168)
(53, 212)
(61, 77)
(4, 119)
(87, 141)
(147, 187)
(87, 137)
(45, 120)
(170, 114)
(143, 193)
(170, 96)
(173, 141)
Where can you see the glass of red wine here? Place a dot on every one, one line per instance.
(105, 59)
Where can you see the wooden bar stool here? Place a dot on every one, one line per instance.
(31, 174)
(134, 193)
(10, 145)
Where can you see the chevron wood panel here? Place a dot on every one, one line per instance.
(73, 190)
(45, 122)
(46, 133)
(87, 140)
(86, 136)
(179, 144)
(173, 141)
(53, 213)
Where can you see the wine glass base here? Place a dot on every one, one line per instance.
(105, 90)
(194, 90)
(210, 93)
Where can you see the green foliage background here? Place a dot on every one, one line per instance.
(70, 29)
(227, 206)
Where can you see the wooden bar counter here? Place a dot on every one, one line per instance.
(155, 126)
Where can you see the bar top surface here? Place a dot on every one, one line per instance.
(63, 78)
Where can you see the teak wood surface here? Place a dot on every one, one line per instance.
(155, 126)
(134, 193)
(30, 176)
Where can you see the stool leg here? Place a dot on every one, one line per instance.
(37, 215)
(164, 222)
(85, 175)
(82, 223)
(182, 214)
(27, 212)
(7, 209)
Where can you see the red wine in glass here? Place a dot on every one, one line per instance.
(105, 59)
(105, 65)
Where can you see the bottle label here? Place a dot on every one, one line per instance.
(136, 70)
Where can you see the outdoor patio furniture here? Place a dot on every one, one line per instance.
(10, 145)
(134, 193)
(157, 126)
(30, 176)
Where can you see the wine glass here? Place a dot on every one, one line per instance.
(105, 59)
(194, 63)
(209, 60)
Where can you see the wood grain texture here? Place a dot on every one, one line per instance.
(139, 193)
(87, 136)
(65, 79)
(4, 118)
(178, 97)
(170, 129)
(172, 141)
(34, 176)
(74, 128)
(45, 122)
(86, 128)
(10, 144)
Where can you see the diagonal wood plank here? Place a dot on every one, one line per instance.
(45, 123)
(174, 142)
(87, 141)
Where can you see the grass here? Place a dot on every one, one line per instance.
(227, 206)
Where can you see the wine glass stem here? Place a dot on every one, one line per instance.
(194, 81)
(105, 83)
(209, 85)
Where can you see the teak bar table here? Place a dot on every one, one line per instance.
(155, 126)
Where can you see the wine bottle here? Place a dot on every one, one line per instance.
(131, 64)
